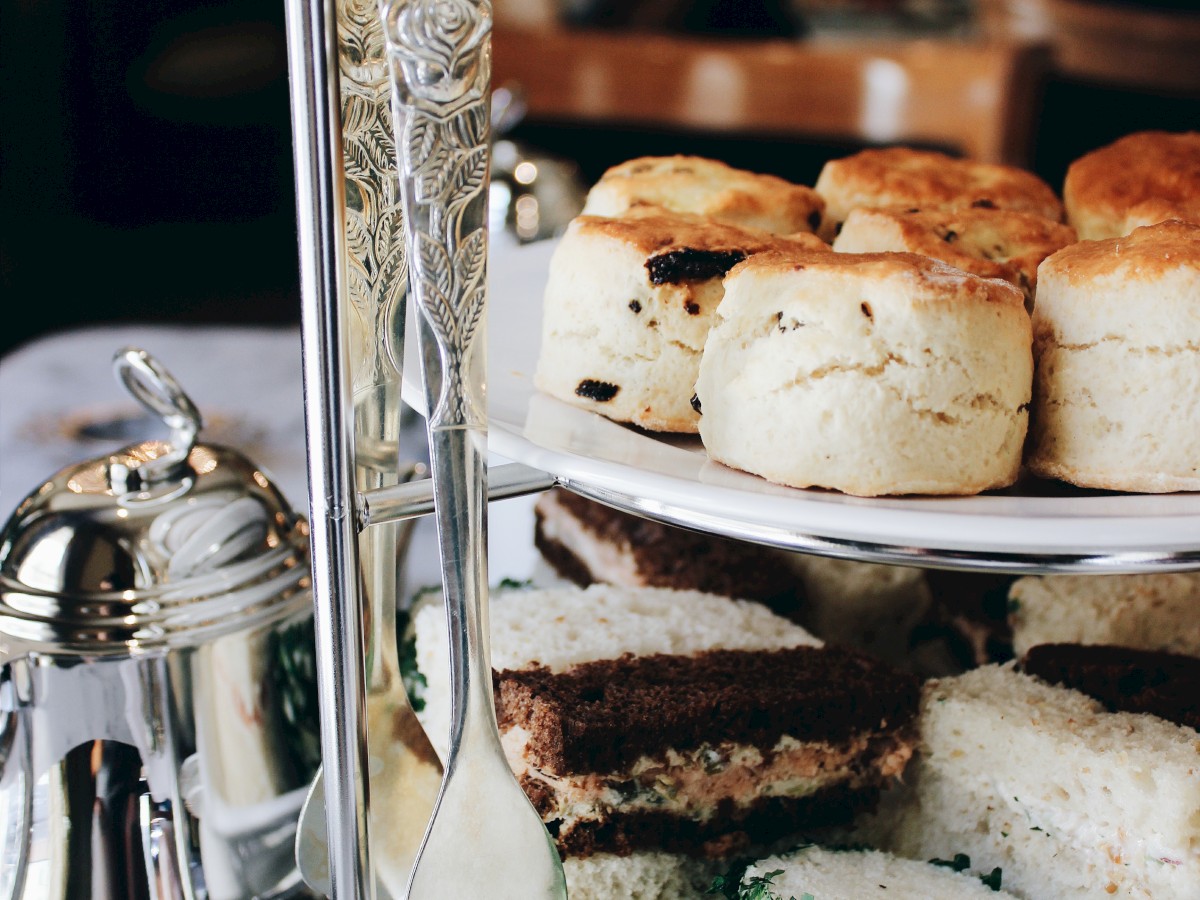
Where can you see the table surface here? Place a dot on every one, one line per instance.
(60, 405)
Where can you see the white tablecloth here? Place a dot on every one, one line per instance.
(246, 383)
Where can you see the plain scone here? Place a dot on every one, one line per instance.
(1116, 337)
(871, 374)
(907, 178)
(708, 188)
(628, 305)
(991, 243)
(1141, 179)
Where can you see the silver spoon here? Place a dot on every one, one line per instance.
(485, 838)
(403, 769)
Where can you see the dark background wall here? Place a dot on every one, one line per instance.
(146, 171)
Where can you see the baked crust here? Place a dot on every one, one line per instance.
(1140, 179)
(904, 177)
(991, 243)
(931, 281)
(1143, 255)
(709, 188)
(654, 231)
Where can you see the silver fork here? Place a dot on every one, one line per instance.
(485, 839)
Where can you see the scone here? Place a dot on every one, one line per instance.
(992, 243)
(907, 178)
(708, 188)
(628, 305)
(871, 374)
(1142, 179)
(1149, 612)
(1073, 796)
(1116, 338)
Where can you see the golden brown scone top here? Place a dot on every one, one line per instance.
(1147, 176)
(1143, 255)
(901, 176)
(653, 230)
(707, 187)
(991, 243)
(937, 280)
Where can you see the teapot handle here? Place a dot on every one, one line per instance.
(157, 390)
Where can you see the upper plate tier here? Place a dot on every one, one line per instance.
(1036, 526)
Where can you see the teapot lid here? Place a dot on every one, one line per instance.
(161, 538)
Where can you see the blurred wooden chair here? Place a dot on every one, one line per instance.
(979, 98)
(1127, 46)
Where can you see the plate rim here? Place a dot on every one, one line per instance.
(888, 530)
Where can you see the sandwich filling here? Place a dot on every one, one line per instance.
(707, 752)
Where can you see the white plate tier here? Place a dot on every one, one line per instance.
(1036, 526)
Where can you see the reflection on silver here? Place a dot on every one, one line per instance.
(485, 839)
(373, 319)
(157, 682)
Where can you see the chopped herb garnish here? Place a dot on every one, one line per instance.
(415, 682)
(960, 863)
(992, 879)
(513, 584)
(734, 886)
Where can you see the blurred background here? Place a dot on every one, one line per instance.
(145, 155)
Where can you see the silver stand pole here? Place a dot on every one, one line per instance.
(320, 198)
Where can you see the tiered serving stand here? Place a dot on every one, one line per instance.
(1034, 528)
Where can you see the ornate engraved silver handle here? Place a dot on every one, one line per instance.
(485, 839)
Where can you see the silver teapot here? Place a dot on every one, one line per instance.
(158, 715)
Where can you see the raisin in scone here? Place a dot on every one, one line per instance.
(1117, 341)
(628, 305)
(991, 243)
(885, 373)
(907, 178)
(1142, 179)
(708, 188)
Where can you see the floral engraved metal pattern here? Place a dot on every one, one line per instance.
(441, 70)
(376, 270)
